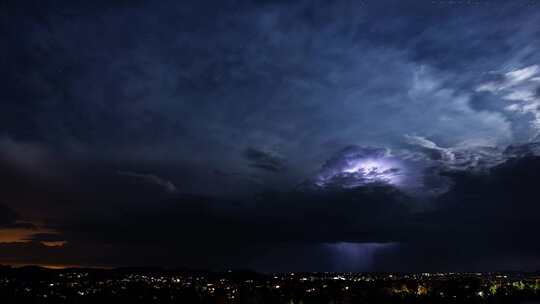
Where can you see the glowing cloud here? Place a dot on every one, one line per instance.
(53, 243)
(359, 166)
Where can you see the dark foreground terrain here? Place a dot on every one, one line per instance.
(40, 285)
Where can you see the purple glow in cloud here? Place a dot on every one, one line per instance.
(375, 170)
(359, 166)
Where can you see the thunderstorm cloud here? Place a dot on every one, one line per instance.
(270, 134)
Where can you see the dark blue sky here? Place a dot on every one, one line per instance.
(256, 134)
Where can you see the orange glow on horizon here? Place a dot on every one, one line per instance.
(17, 235)
(25, 235)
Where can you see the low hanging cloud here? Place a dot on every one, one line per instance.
(48, 239)
(465, 156)
(25, 232)
(152, 179)
(264, 160)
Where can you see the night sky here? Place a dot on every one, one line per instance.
(360, 135)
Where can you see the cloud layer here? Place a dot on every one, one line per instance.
(243, 133)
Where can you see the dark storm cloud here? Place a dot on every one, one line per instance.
(464, 223)
(187, 225)
(486, 219)
(271, 217)
(507, 210)
(264, 160)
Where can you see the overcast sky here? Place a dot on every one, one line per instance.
(271, 135)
